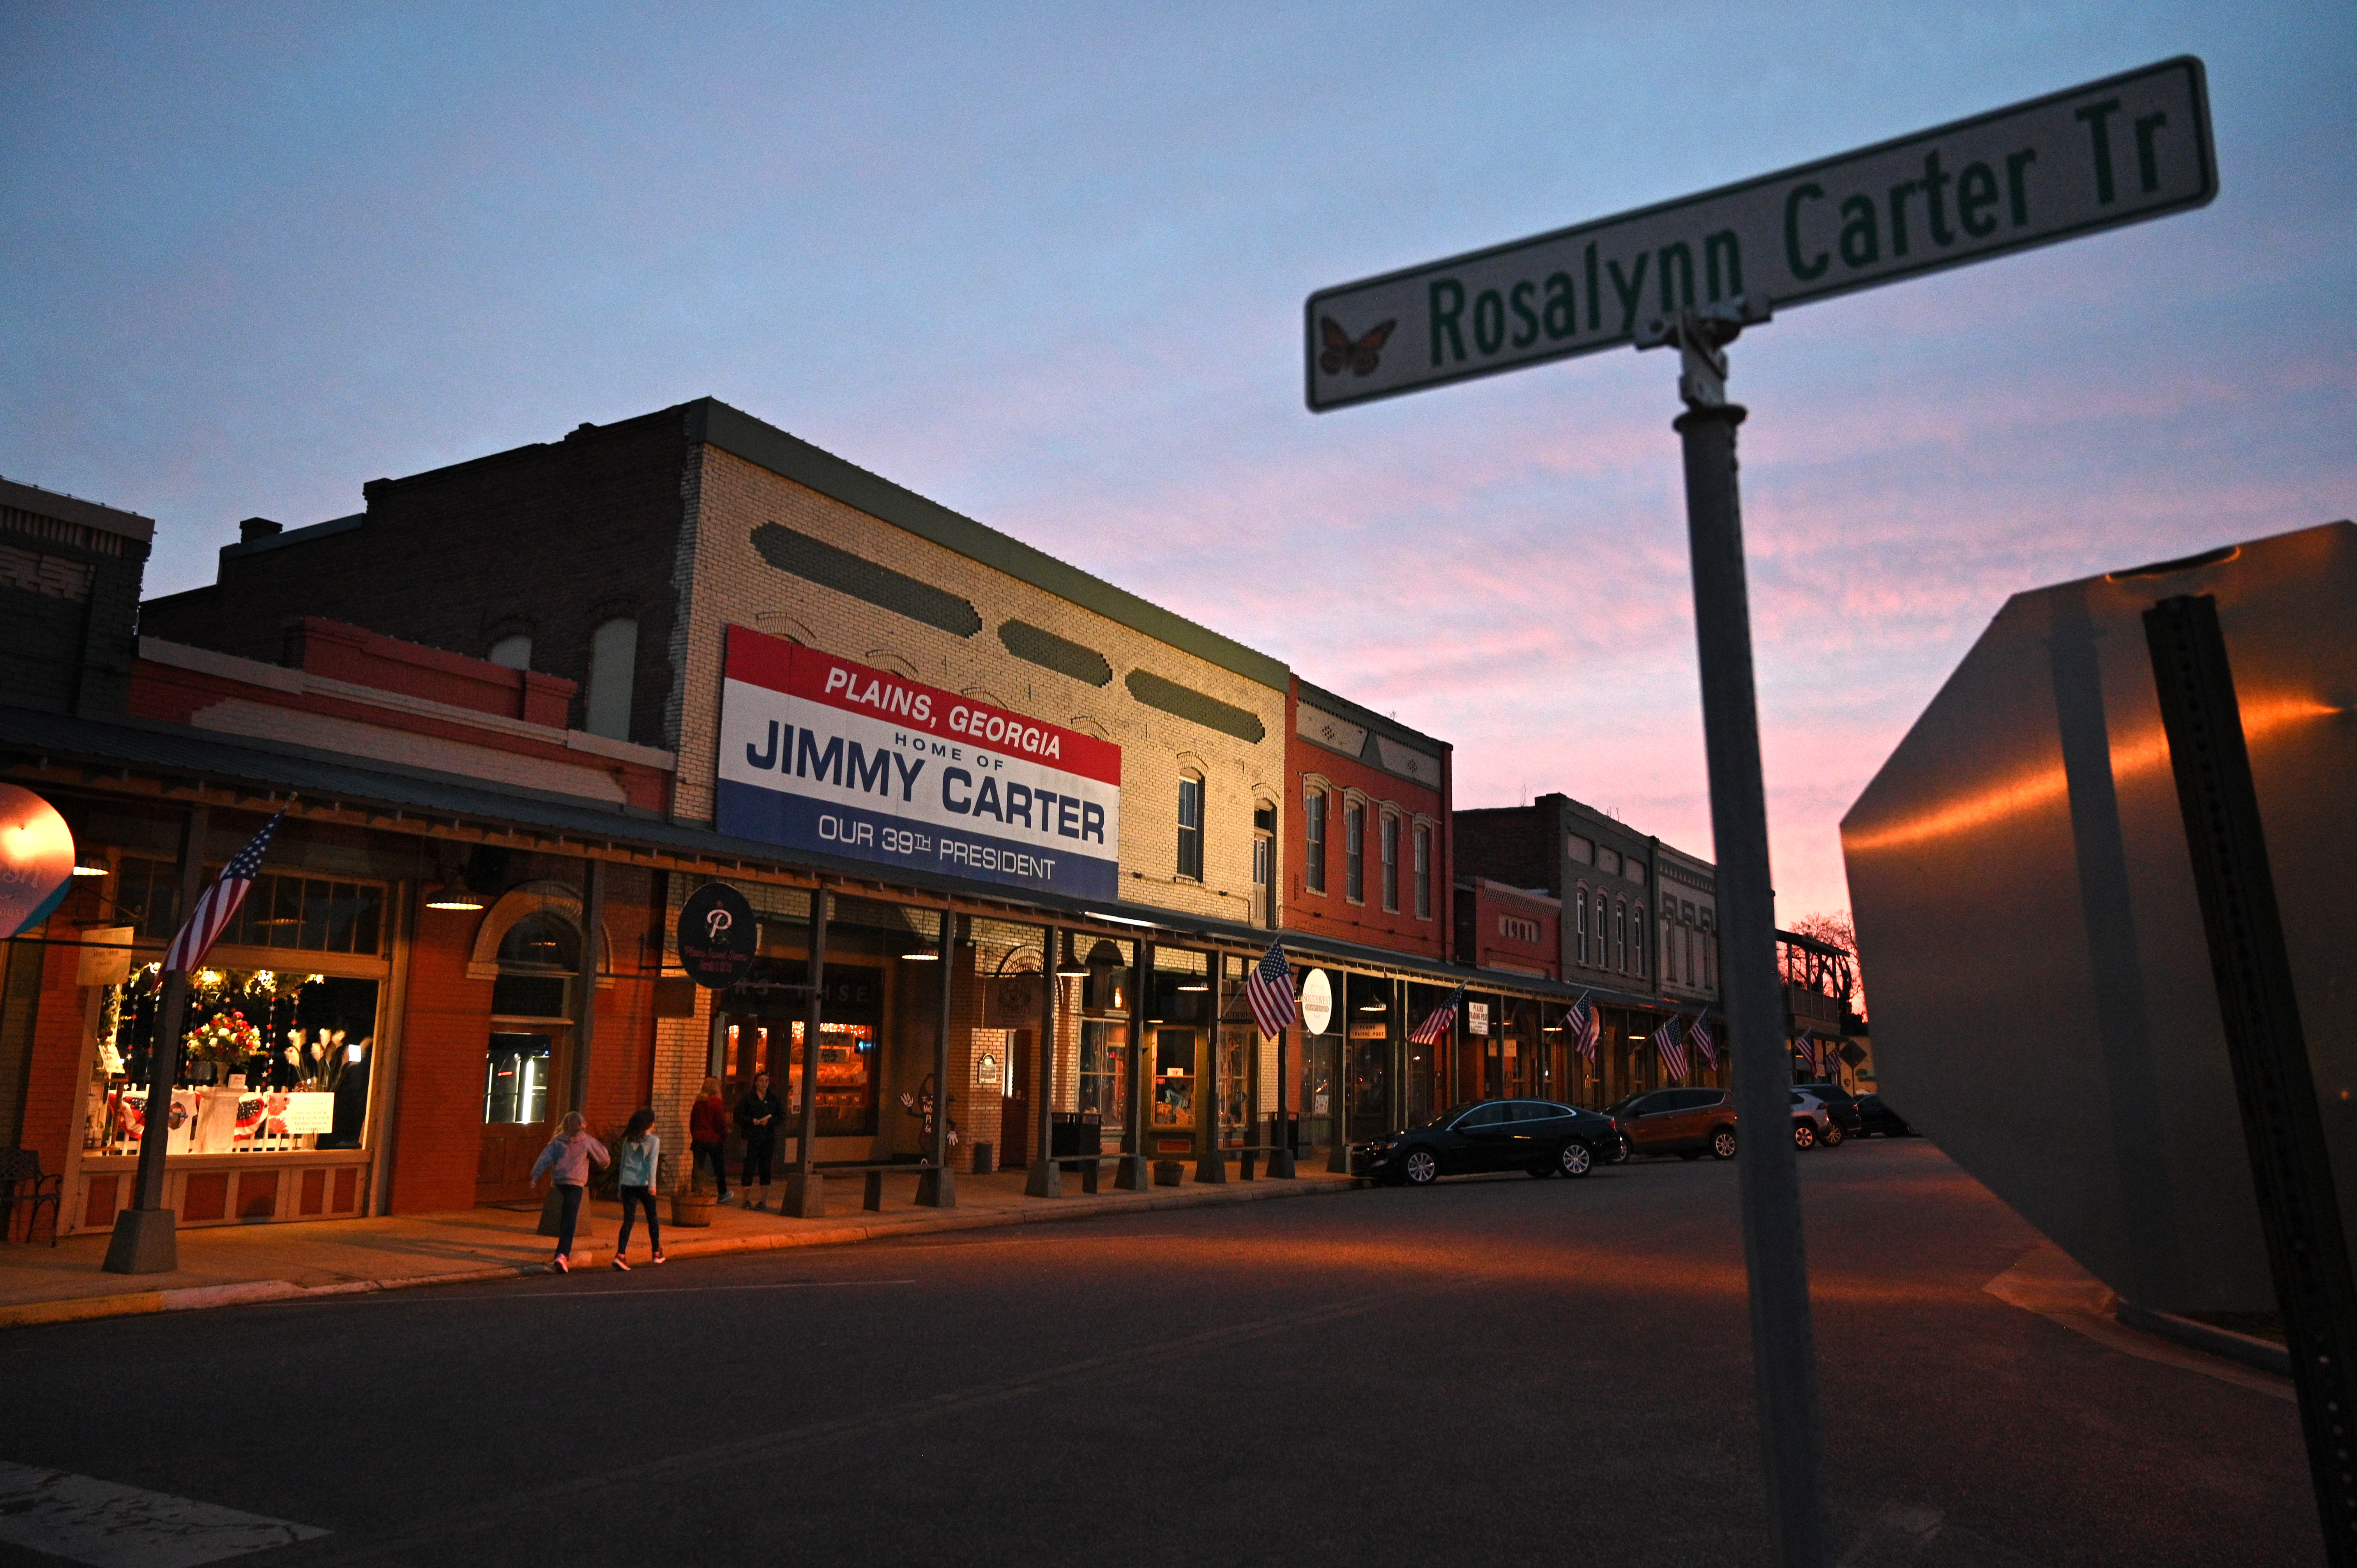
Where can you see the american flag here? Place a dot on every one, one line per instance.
(1586, 1029)
(218, 905)
(1268, 991)
(1436, 1023)
(1806, 1048)
(1698, 1036)
(1669, 1040)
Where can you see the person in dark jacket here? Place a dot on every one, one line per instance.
(707, 1138)
(760, 1114)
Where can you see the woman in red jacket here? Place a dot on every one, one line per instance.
(707, 1137)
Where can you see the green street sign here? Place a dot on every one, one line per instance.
(2111, 151)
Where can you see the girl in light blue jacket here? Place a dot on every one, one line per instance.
(641, 1156)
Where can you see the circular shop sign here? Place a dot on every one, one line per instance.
(37, 859)
(717, 935)
(1316, 1001)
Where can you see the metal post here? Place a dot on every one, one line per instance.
(1210, 1164)
(1134, 1175)
(1280, 1163)
(585, 1038)
(1047, 1177)
(1337, 1162)
(1783, 1345)
(2283, 1132)
(937, 1188)
(806, 1188)
(145, 1239)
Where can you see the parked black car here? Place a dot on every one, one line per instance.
(1875, 1115)
(1535, 1135)
(1839, 1103)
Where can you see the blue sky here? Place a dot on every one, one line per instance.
(1045, 265)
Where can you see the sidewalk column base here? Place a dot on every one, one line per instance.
(806, 1195)
(1211, 1167)
(1131, 1175)
(1045, 1180)
(1339, 1162)
(552, 1215)
(937, 1190)
(1280, 1164)
(146, 1241)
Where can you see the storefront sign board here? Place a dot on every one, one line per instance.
(719, 936)
(1477, 1017)
(1316, 1001)
(1011, 1002)
(37, 859)
(823, 755)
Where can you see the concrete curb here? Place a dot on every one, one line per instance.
(74, 1309)
(2252, 1351)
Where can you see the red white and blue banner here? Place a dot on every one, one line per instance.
(821, 754)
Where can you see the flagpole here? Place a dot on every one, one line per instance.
(145, 1240)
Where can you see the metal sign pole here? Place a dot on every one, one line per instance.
(2291, 1162)
(806, 1188)
(1784, 1343)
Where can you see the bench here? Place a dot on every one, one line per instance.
(872, 1198)
(21, 1182)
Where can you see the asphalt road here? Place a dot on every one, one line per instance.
(1497, 1370)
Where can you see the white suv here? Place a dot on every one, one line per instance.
(1812, 1124)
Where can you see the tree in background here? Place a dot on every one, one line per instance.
(1837, 977)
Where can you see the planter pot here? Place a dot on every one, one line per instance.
(1169, 1173)
(690, 1209)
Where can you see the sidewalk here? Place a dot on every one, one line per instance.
(223, 1265)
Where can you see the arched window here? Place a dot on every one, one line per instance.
(1620, 935)
(1579, 924)
(1423, 872)
(1602, 954)
(1391, 863)
(1190, 827)
(1313, 859)
(1354, 851)
(613, 670)
(514, 651)
(1637, 934)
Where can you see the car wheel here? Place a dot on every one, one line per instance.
(1833, 1136)
(1722, 1143)
(1420, 1168)
(1618, 1155)
(1803, 1136)
(1575, 1159)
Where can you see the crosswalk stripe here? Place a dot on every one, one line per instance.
(108, 1525)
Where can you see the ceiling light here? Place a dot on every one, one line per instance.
(1371, 1008)
(927, 956)
(1196, 986)
(89, 866)
(1122, 920)
(453, 895)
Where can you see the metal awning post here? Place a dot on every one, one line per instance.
(145, 1240)
(1047, 1177)
(806, 1188)
(937, 1188)
(1134, 1176)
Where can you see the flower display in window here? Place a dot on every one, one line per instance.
(224, 1038)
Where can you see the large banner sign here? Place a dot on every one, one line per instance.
(817, 753)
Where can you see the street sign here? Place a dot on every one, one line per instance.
(2109, 152)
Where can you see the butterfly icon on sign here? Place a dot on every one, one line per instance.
(1361, 355)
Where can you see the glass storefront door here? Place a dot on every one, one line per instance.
(518, 1073)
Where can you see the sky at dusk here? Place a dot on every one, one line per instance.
(1046, 266)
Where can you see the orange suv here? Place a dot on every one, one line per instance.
(1687, 1123)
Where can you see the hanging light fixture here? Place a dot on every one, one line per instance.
(453, 895)
(88, 866)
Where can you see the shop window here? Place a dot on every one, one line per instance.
(1313, 819)
(516, 652)
(1354, 852)
(515, 1086)
(1391, 863)
(1190, 827)
(613, 670)
(1423, 872)
(272, 1061)
(309, 914)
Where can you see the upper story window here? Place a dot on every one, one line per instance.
(1634, 870)
(1190, 827)
(1579, 923)
(1579, 849)
(516, 652)
(1637, 940)
(613, 670)
(1354, 851)
(1620, 935)
(1391, 862)
(1313, 859)
(1423, 872)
